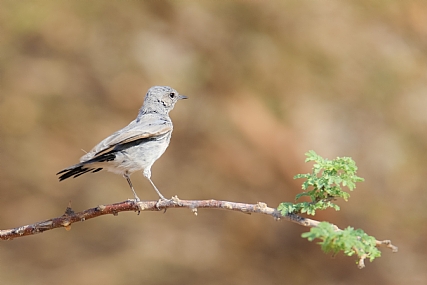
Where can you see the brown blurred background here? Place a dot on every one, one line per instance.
(267, 82)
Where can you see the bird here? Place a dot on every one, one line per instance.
(138, 145)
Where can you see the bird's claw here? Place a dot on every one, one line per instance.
(162, 199)
(136, 201)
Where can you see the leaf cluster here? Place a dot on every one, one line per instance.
(324, 184)
(349, 241)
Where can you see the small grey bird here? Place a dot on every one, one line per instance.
(138, 145)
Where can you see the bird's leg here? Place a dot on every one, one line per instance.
(147, 174)
(131, 187)
(157, 190)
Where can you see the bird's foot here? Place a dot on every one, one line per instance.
(136, 201)
(162, 200)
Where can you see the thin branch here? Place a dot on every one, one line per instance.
(361, 263)
(71, 217)
(387, 243)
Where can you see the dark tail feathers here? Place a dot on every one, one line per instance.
(75, 171)
(84, 167)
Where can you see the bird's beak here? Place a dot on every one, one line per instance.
(182, 97)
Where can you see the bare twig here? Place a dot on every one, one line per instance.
(70, 217)
(387, 243)
(361, 263)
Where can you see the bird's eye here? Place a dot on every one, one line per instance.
(172, 95)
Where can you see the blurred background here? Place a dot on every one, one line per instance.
(267, 82)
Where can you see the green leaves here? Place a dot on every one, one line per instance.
(324, 184)
(349, 241)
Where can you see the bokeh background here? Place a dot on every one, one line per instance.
(267, 81)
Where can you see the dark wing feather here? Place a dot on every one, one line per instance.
(146, 128)
(84, 167)
(149, 126)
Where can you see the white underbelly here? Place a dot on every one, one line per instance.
(140, 157)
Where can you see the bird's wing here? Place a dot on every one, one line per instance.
(148, 128)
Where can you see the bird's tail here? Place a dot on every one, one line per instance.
(76, 170)
(85, 167)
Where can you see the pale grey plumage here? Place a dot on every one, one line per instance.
(138, 145)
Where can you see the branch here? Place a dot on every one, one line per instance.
(70, 217)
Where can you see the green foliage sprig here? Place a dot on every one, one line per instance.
(349, 241)
(323, 186)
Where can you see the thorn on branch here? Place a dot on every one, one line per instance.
(68, 210)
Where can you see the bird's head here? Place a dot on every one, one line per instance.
(161, 99)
